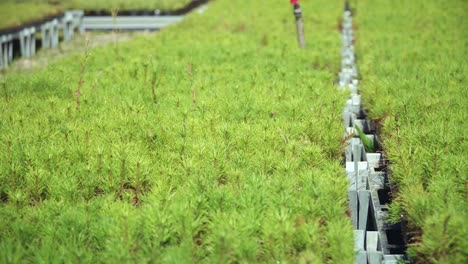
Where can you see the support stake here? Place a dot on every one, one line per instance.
(299, 23)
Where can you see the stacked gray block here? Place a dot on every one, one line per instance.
(364, 180)
(374, 254)
(6, 50)
(50, 34)
(359, 248)
(78, 20)
(27, 37)
(68, 24)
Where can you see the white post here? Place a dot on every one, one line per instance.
(54, 34)
(32, 39)
(1, 52)
(45, 32)
(10, 48)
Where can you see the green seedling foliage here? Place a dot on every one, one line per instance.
(121, 4)
(369, 145)
(17, 12)
(413, 57)
(201, 143)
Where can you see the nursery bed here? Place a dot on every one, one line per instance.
(218, 140)
(414, 62)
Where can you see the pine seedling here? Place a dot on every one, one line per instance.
(38, 188)
(87, 138)
(99, 165)
(5, 91)
(122, 178)
(145, 73)
(136, 199)
(369, 145)
(115, 12)
(84, 63)
(153, 88)
(9, 156)
(190, 74)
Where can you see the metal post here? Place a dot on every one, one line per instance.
(23, 35)
(1, 52)
(67, 25)
(299, 23)
(32, 47)
(10, 49)
(54, 34)
(78, 20)
(46, 35)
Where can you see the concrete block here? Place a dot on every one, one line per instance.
(358, 182)
(352, 106)
(358, 150)
(45, 35)
(359, 239)
(348, 153)
(372, 241)
(347, 49)
(357, 155)
(27, 42)
(6, 50)
(10, 48)
(363, 167)
(353, 207)
(2, 51)
(392, 259)
(54, 29)
(374, 159)
(364, 197)
(353, 89)
(376, 180)
(374, 257)
(67, 26)
(378, 210)
(50, 36)
(361, 257)
(344, 77)
(359, 247)
(78, 18)
(347, 119)
(384, 246)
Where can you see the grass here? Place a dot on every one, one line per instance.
(17, 12)
(124, 4)
(413, 62)
(217, 140)
(14, 14)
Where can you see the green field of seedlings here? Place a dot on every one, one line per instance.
(122, 4)
(217, 141)
(14, 14)
(414, 68)
(17, 12)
